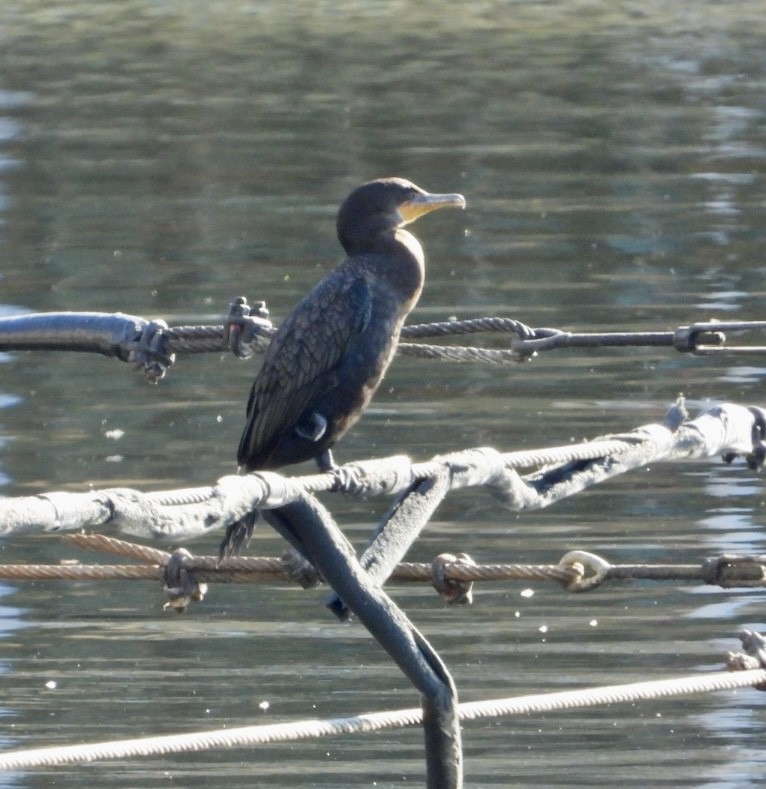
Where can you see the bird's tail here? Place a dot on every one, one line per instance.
(238, 535)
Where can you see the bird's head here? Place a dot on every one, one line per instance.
(380, 207)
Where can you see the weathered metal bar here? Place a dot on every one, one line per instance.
(400, 527)
(312, 526)
(110, 334)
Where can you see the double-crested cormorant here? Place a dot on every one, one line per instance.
(329, 355)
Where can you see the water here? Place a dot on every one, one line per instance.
(161, 158)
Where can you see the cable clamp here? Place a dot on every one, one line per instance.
(729, 570)
(453, 591)
(147, 351)
(246, 327)
(180, 585)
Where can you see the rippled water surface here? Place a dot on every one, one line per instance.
(160, 158)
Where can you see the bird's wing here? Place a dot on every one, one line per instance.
(302, 359)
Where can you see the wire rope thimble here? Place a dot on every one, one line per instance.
(591, 570)
(180, 585)
(453, 591)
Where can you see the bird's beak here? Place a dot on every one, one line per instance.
(425, 203)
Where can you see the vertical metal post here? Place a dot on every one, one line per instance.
(311, 525)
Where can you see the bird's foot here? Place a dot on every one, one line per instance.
(326, 462)
(345, 480)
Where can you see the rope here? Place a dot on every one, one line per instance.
(79, 572)
(196, 339)
(318, 483)
(560, 455)
(246, 736)
(152, 345)
(703, 338)
(469, 326)
(726, 430)
(100, 542)
(590, 450)
(176, 498)
(577, 571)
(455, 353)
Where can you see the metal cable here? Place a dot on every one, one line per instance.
(457, 353)
(577, 571)
(152, 344)
(247, 736)
(469, 326)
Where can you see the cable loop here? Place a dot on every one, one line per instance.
(593, 570)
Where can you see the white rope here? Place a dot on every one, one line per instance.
(246, 736)
(728, 429)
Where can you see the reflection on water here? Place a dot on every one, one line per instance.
(161, 158)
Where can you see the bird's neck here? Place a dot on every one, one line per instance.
(409, 243)
(395, 244)
(402, 263)
(396, 258)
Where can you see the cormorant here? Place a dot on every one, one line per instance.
(329, 355)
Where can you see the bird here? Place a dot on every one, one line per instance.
(329, 355)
